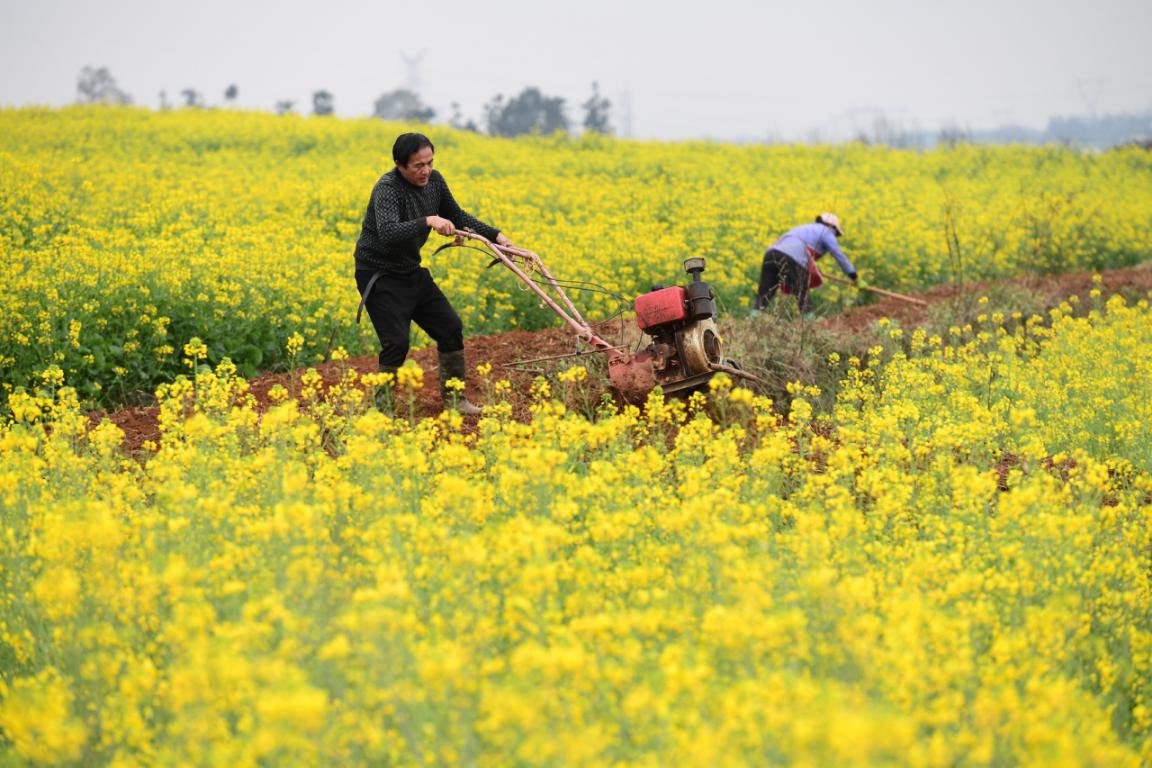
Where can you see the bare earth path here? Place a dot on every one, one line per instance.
(500, 350)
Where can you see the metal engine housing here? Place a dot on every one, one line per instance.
(683, 344)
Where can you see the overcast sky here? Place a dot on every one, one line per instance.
(725, 69)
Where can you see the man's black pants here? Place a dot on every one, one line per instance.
(780, 269)
(395, 302)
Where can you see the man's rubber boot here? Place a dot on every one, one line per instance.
(452, 367)
(385, 397)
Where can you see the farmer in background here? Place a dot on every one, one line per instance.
(790, 262)
(407, 203)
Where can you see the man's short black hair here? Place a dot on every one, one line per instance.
(408, 144)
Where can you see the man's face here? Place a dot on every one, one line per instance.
(419, 168)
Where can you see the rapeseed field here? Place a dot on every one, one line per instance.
(950, 568)
(126, 233)
(949, 565)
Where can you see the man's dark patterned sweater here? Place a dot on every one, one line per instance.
(394, 230)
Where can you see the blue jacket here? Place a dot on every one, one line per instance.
(821, 238)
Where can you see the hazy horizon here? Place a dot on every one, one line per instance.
(742, 71)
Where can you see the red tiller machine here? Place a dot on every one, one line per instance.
(681, 349)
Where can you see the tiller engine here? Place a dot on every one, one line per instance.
(685, 349)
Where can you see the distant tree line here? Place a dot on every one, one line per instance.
(97, 86)
(530, 111)
(1098, 132)
(1103, 131)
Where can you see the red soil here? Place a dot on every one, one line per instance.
(502, 350)
(140, 424)
(1050, 288)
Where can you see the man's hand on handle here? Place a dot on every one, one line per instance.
(446, 228)
(441, 225)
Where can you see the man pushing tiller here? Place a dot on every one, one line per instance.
(407, 203)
